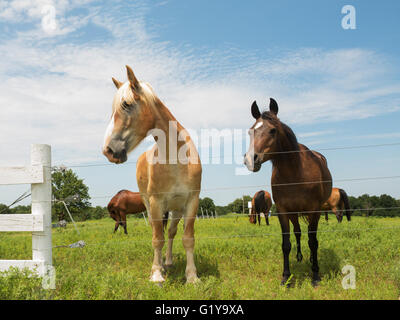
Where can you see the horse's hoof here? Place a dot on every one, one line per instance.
(157, 277)
(299, 257)
(192, 279)
(286, 282)
(315, 281)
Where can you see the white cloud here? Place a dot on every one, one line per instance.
(315, 133)
(60, 92)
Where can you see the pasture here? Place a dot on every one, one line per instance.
(235, 260)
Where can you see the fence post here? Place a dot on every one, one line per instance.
(41, 205)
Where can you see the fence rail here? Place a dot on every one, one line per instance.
(38, 174)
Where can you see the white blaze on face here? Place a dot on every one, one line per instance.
(258, 125)
(109, 131)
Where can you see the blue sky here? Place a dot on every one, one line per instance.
(207, 60)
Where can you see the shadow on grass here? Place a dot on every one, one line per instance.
(206, 266)
(329, 267)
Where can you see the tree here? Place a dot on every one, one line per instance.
(221, 210)
(207, 204)
(237, 205)
(66, 186)
(4, 209)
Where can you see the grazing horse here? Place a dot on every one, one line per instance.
(127, 202)
(168, 175)
(301, 181)
(261, 202)
(338, 203)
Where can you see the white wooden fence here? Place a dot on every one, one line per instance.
(38, 174)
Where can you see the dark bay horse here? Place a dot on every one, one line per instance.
(127, 202)
(338, 203)
(301, 181)
(261, 203)
(168, 175)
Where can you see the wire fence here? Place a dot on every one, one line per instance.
(220, 189)
(354, 147)
(216, 189)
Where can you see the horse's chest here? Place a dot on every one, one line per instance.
(176, 201)
(296, 198)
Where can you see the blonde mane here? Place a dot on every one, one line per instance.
(125, 93)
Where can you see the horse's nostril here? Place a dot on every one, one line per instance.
(109, 151)
(255, 157)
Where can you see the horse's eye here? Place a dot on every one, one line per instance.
(127, 107)
(272, 131)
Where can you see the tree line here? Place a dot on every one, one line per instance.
(68, 188)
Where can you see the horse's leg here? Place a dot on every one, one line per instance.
(338, 214)
(173, 227)
(123, 218)
(313, 244)
(297, 233)
(117, 219)
(116, 226)
(188, 239)
(266, 218)
(286, 245)
(156, 213)
(326, 216)
(259, 218)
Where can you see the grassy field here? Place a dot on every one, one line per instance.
(235, 260)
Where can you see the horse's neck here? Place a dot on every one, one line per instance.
(287, 166)
(167, 123)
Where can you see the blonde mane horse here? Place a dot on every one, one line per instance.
(168, 175)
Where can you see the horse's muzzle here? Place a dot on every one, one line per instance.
(252, 162)
(116, 151)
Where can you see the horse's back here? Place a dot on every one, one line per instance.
(132, 202)
(114, 200)
(127, 201)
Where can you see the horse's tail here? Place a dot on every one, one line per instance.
(259, 199)
(345, 199)
(165, 220)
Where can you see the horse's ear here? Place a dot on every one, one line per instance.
(131, 77)
(117, 83)
(255, 111)
(273, 106)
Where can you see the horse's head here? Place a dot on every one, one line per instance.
(252, 217)
(131, 118)
(114, 216)
(263, 136)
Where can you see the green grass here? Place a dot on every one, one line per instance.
(235, 260)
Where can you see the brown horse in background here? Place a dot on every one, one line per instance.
(261, 202)
(338, 203)
(301, 181)
(127, 202)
